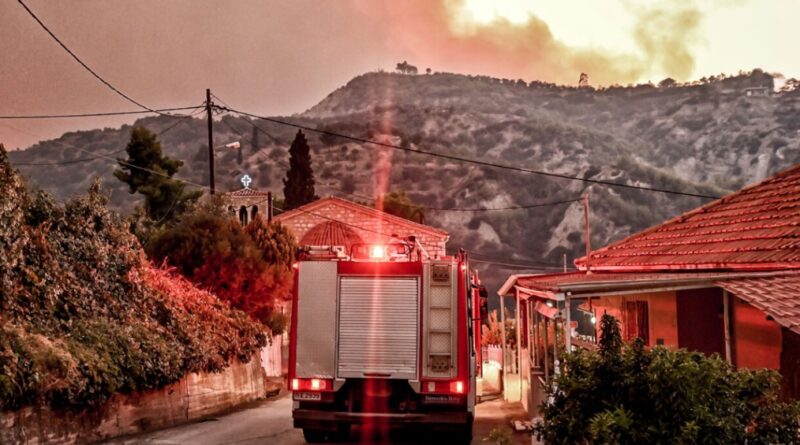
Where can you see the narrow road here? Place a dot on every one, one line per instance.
(270, 423)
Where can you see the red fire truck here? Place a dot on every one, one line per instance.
(383, 336)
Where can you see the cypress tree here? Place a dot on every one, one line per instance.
(298, 187)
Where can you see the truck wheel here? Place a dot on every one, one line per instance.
(463, 434)
(341, 434)
(314, 436)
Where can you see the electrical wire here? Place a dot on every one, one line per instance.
(466, 160)
(84, 65)
(109, 113)
(99, 156)
(439, 209)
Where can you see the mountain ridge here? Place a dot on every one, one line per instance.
(708, 138)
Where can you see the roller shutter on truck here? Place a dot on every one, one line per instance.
(378, 327)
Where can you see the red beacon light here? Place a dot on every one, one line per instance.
(377, 252)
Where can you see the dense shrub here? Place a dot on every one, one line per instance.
(627, 394)
(84, 315)
(248, 267)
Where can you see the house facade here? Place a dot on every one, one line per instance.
(721, 279)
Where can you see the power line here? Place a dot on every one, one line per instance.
(109, 113)
(492, 209)
(467, 160)
(83, 64)
(440, 209)
(514, 265)
(92, 158)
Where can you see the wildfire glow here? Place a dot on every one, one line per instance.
(484, 12)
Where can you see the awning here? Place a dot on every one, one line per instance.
(777, 296)
(547, 311)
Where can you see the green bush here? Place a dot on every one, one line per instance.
(83, 315)
(627, 394)
(249, 267)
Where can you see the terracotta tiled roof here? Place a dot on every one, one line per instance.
(331, 233)
(777, 293)
(312, 207)
(757, 228)
(547, 285)
(246, 192)
(777, 296)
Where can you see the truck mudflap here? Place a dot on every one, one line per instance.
(308, 418)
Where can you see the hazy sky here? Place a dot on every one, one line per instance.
(273, 57)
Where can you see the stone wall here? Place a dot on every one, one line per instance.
(193, 397)
(370, 229)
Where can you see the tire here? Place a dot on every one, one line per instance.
(341, 434)
(314, 436)
(463, 433)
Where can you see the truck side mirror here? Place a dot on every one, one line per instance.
(483, 302)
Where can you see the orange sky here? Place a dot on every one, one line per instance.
(276, 57)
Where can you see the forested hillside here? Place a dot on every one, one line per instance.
(707, 137)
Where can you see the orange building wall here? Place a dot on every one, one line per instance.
(662, 313)
(756, 340)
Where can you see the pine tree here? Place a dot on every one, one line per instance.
(164, 197)
(298, 187)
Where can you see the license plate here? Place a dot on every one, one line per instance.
(314, 396)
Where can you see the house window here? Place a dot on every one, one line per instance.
(637, 321)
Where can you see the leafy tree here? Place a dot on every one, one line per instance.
(248, 267)
(298, 187)
(148, 172)
(667, 83)
(627, 394)
(399, 204)
(276, 241)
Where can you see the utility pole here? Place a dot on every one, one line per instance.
(210, 141)
(588, 232)
(269, 207)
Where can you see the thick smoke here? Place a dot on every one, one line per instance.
(436, 31)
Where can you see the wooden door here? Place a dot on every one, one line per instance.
(700, 323)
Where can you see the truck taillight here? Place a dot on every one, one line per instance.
(445, 387)
(312, 385)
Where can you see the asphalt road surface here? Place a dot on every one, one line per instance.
(270, 423)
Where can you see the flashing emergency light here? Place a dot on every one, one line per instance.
(377, 252)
